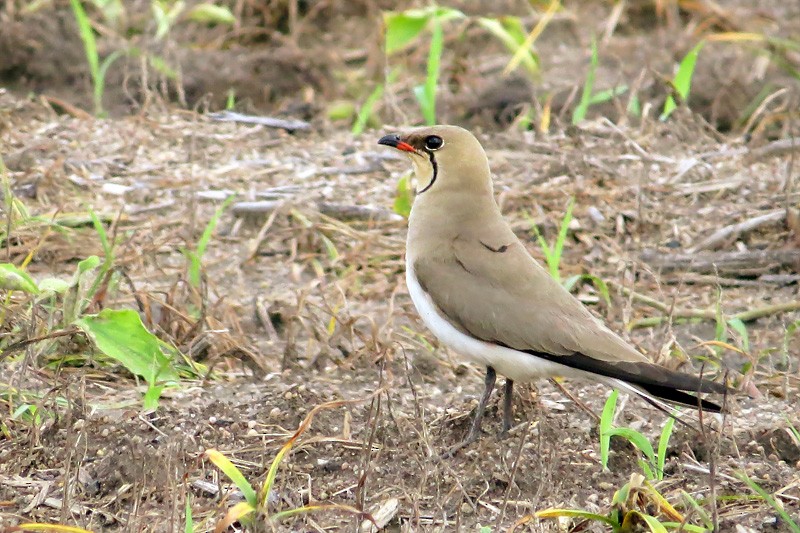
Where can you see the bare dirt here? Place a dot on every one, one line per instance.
(305, 303)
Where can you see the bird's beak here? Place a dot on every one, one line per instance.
(395, 142)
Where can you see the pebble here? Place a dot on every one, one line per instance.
(275, 412)
(251, 424)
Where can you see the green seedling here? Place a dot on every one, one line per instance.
(588, 87)
(682, 82)
(590, 98)
(404, 27)
(628, 513)
(195, 257)
(767, 497)
(256, 504)
(602, 287)
(97, 70)
(653, 463)
(120, 335)
(552, 254)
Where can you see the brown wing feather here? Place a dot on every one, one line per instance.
(508, 298)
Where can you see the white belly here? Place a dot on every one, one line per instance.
(513, 364)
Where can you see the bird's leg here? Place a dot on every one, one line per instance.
(475, 431)
(508, 417)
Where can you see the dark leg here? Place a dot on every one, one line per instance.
(475, 431)
(508, 416)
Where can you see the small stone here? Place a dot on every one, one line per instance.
(275, 412)
(252, 432)
(251, 424)
(105, 433)
(466, 509)
(212, 419)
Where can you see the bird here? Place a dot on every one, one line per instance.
(483, 295)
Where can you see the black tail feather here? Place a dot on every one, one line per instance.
(681, 398)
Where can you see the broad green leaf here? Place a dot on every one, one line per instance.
(58, 286)
(402, 28)
(738, 326)
(683, 80)
(13, 278)
(212, 14)
(151, 396)
(121, 335)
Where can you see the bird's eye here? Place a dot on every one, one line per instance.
(433, 142)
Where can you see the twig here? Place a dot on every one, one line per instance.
(749, 262)
(270, 122)
(577, 402)
(722, 235)
(776, 148)
(337, 211)
(711, 314)
(514, 468)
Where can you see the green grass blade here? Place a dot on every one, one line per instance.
(188, 526)
(683, 80)
(637, 439)
(365, 112)
(197, 257)
(89, 47)
(702, 513)
(234, 474)
(13, 278)
(558, 248)
(606, 421)
(602, 97)
(434, 64)
(767, 497)
(586, 96)
(663, 442)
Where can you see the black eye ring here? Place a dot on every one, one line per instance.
(433, 142)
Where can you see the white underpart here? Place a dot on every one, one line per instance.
(513, 364)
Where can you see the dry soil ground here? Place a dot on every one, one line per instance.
(304, 302)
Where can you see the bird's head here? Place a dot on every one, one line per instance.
(444, 158)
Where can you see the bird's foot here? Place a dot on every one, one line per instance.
(450, 452)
